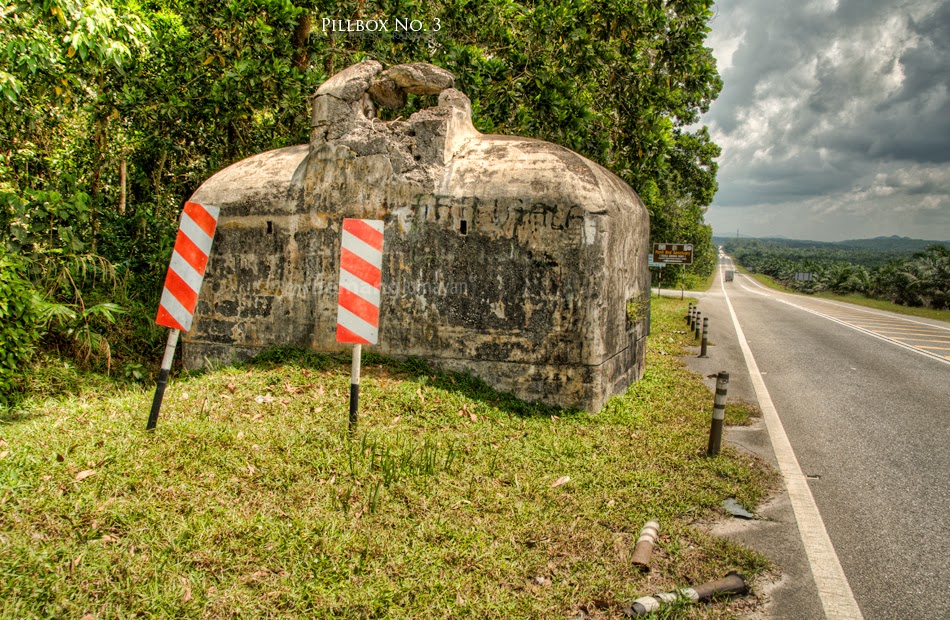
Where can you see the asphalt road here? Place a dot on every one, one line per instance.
(864, 398)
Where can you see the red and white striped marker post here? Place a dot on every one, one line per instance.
(186, 271)
(357, 318)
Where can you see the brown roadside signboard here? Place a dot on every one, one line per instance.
(673, 253)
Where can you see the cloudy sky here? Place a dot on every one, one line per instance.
(834, 119)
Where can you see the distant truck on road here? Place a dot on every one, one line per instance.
(729, 274)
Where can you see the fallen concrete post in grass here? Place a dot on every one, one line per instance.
(733, 583)
(644, 548)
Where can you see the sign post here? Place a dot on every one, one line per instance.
(674, 254)
(660, 266)
(357, 319)
(186, 271)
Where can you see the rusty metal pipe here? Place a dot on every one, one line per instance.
(643, 551)
(733, 583)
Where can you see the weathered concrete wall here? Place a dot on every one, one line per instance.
(508, 257)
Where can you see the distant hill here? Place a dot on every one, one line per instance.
(891, 245)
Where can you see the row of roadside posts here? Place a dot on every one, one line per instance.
(699, 325)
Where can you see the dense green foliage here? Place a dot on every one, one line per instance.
(173, 91)
(17, 320)
(919, 279)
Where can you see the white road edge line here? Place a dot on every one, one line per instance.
(893, 341)
(835, 593)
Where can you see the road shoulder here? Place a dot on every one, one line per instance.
(791, 594)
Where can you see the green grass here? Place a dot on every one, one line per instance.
(693, 282)
(702, 284)
(250, 499)
(858, 300)
(880, 304)
(741, 414)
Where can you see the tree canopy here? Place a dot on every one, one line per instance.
(920, 279)
(114, 111)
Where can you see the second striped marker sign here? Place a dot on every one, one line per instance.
(357, 318)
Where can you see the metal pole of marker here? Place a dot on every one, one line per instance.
(163, 378)
(683, 282)
(355, 387)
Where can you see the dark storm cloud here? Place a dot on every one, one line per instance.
(836, 107)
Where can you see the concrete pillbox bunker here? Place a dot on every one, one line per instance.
(513, 259)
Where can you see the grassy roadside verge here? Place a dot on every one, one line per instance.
(694, 283)
(858, 300)
(878, 304)
(250, 501)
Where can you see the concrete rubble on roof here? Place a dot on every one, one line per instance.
(513, 259)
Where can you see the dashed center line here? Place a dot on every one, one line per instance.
(898, 331)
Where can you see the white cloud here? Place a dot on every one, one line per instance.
(833, 111)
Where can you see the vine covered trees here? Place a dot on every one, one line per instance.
(113, 112)
(919, 280)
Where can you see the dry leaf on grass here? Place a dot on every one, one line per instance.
(84, 474)
(4, 454)
(186, 596)
(560, 481)
(263, 399)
